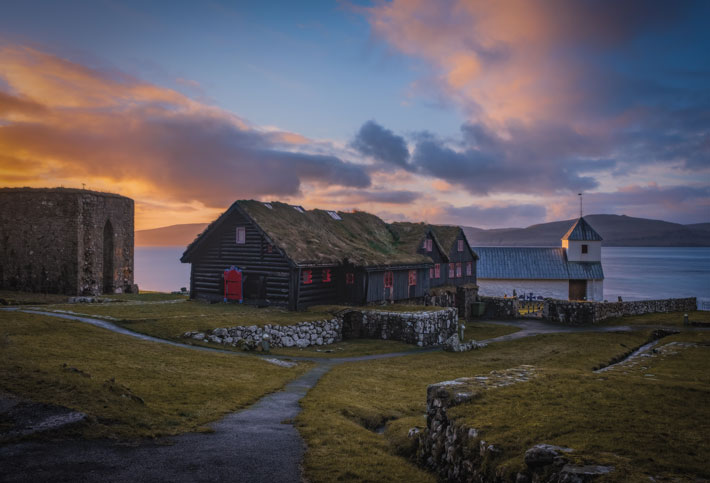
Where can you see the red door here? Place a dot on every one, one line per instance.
(233, 284)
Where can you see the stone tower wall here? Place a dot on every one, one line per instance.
(51, 240)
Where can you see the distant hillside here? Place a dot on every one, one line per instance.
(616, 230)
(180, 235)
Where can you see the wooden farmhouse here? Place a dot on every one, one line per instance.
(454, 261)
(295, 258)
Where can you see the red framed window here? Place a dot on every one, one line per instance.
(458, 270)
(350, 278)
(469, 269)
(412, 277)
(451, 270)
(307, 276)
(269, 248)
(241, 235)
(326, 275)
(428, 244)
(389, 279)
(437, 270)
(424, 244)
(431, 272)
(460, 245)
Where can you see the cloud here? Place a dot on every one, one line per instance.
(603, 74)
(493, 216)
(84, 124)
(380, 196)
(381, 144)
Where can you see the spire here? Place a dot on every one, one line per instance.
(582, 231)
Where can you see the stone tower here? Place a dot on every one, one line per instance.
(66, 241)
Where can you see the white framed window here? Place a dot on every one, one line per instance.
(241, 235)
(428, 244)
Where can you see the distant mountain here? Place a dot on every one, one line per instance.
(616, 230)
(173, 235)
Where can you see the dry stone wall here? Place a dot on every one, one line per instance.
(501, 307)
(52, 241)
(581, 313)
(419, 328)
(457, 452)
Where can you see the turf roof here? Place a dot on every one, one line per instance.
(410, 236)
(314, 237)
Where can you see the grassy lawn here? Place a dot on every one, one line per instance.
(9, 297)
(669, 319)
(627, 418)
(341, 412)
(51, 360)
(477, 330)
(171, 318)
(381, 307)
(348, 348)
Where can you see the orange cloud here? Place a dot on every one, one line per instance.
(62, 123)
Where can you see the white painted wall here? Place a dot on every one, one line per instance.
(558, 289)
(595, 290)
(574, 251)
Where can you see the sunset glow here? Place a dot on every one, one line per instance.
(474, 114)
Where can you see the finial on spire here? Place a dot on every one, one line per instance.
(580, 204)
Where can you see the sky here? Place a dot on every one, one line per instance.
(479, 113)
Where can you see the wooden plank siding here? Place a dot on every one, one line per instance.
(462, 257)
(220, 251)
(318, 292)
(401, 288)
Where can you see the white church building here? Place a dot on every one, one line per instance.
(572, 271)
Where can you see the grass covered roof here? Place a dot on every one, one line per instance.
(315, 237)
(410, 235)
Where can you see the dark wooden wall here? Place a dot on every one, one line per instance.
(317, 292)
(220, 251)
(401, 290)
(463, 257)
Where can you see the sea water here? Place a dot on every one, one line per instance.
(634, 273)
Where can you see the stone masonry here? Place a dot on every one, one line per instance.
(424, 329)
(66, 241)
(579, 313)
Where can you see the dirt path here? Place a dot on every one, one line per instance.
(258, 444)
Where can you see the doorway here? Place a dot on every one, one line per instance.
(577, 289)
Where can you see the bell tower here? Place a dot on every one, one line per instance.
(582, 243)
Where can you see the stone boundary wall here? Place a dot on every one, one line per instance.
(457, 452)
(420, 328)
(500, 307)
(423, 329)
(580, 313)
(304, 334)
(460, 297)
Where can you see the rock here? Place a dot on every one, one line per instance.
(199, 336)
(220, 332)
(302, 343)
(544, 454)
(413, 433)
(319, 341)
(287, 341)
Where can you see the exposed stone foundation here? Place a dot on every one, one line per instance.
(457, 452)
(580, 313)
(418, 328)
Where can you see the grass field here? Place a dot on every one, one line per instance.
(107, 375)
(567, 404)
(669, 319)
